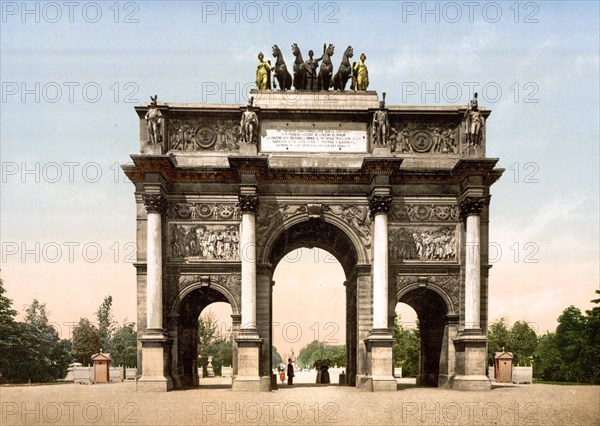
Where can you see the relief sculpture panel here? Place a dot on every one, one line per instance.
(412, 212)
(204, 135)
(423, 243)
(425, 137)
(202, 242)
(204, 211)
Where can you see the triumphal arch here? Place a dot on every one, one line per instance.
(399, 195)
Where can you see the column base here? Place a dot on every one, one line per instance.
(154, 384)
(471, 361)
(471, 383)
(155, 357)
(380, 343)
(248, 379)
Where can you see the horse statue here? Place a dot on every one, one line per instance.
(326, 70)
(344, 72)
(283, 76)
(299, 69)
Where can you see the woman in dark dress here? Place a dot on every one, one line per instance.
(325, 371)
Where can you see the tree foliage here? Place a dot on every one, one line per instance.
(124, 346)
(106, 324)
(276, 358)
(211, 342)
(572, 353)
(8, 332)
(520, 339)
(316, 350)
(37, 353)
(406, 348)
(86, 341)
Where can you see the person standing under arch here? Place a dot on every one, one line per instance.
(290, 372)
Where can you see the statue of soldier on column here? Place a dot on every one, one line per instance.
(474, 123)
(381, 125)
(154, 121)
(249, 124)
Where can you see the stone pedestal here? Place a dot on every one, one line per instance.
(248, 379)
(471, 362)
(380, 344)
(248, 149)
(155, 375)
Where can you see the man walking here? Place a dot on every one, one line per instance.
(290, 372)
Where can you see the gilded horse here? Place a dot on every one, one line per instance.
(283, 76)
(344, 72)
(326, 70)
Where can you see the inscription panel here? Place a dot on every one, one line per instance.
(313, 137)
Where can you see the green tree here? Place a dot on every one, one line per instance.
(592, 337)
(86, 341)
(41, 356)
(275, 357)
(522, 341)
(211, 342)
(406, 348)
(124, 346)
(547, 359)
(106, 324)
(571, 339)
(310, 353)
(498, 336)
(9, 339)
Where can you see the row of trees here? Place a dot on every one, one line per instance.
(108, 337)
(32, 350)
(316, 350)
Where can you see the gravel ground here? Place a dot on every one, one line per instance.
(301, 404)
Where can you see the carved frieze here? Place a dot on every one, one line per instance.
(232, 282)
(204, 135)
(425, 137)
(357, 216)
(449, 284)
(424, 212)
(206, 242)
(204, 211)
(423, 243)
(271, 215)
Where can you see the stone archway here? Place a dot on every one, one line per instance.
(401, 213)
(435, 300)
(321, 233)
(198, 293)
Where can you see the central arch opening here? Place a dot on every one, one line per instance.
(314, 302)
(309, 315)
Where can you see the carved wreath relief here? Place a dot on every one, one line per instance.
(204, 211)
(423, 243)
(205, 241)
(425, 212)
(421, 138)
(204, 135)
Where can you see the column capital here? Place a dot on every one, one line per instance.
(154, 203)
(380, 204)
(248, 203)
(472, 205)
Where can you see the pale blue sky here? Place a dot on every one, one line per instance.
(171, 52)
